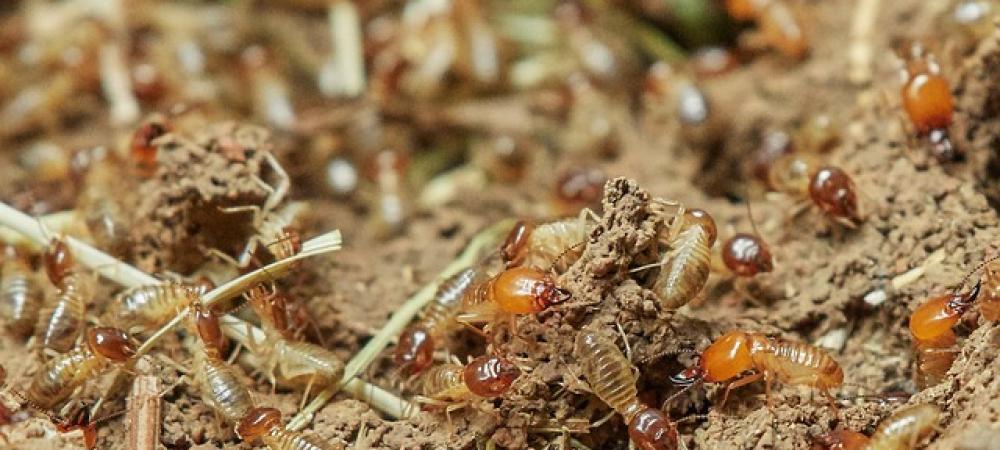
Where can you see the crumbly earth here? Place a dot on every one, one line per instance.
(831, 285)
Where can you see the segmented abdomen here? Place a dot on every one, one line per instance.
(608, 372)
(445, 382)
(61, 375)
(905, 427)
(439, 315)
(281, 439)
(223, 390)
(302, 363)
(62, 322)
(797, 363)
(934, 358)
(149, 306)
(556, 240)
(20, 298)
(686, 272)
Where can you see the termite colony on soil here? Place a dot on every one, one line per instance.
(412, 109)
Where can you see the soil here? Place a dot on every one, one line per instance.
(832, 285)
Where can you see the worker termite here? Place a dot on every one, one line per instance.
(60, 376)
(217, 381)
(779, 27)
(515, 291)
(62, 321)
(746, 255)
(929, 104)
(790, 362)
(555, 245)
(142, 148)
(687, 260)
(900, 431)
(297, 364)
(265, 423)
(612, 378)
(276, 231)
(415, 349)
(20, 294)
(146, 307)
(830, 188)
(456, 385)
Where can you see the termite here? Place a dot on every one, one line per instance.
(746, 255)
(900, 431)
(612, 378)
(828, 187)
(287, 362)
(483, 377)
(514, 291)
(61, 322)
(778, 24)
(217, 381)
(142, 148)
(265, 423)
(60, 376)
(415, 349)
(149, 306)
(276, 231)
(555, 245)
(687, 261)
(929, 104)
(790, 362)
(20, 294)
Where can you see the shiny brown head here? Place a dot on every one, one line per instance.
(111, 343)
(747, 255)
(208, 328)
(142, 150)
(834, 192)
(651, 429)
(415, 350)
(58, 261)
(258, 422)
(490, 376)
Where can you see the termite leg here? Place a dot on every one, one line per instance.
(277, 193)
(737, 383)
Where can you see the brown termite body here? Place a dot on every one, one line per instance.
(905, 428)
(931, 328)
(62, 321)
(415, 349)
(746, 255)
(217, 381)
(789, 362)
(556, 244)
(929, 103)
(457, 385)
(265, 423)
(60, 376)
(612, 378)
(687, 262)
(147, 307)
(20, 294)
(829, 188)
(296, 364)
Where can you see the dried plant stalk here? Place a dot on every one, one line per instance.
(143, 420)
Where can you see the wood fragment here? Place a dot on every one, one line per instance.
(143, 422)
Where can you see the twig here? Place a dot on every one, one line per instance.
(54, 223)
(860, 51)
(400, 320)
(143, 420)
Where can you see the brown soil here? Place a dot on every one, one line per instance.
(824, 272)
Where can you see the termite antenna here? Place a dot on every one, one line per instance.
(108, 417)
(973, 271)
(691, 418)
(753, 223)
(564, 252)
(679, 393)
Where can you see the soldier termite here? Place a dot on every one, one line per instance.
(612, 378)
(415, 349)
(20, 294)
(455, 385)
(790, 362)
(929, 104)
(265, 423)
(512, 292)
(62, 321)
(60, 376)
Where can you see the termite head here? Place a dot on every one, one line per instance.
(834, 192)
(651, 429)
(79, 419)
(727, 357)
(111, 343)
(490, 376)
(747, 255)
(415, 350)
(141, 149)
(58, 260)
(703, 219)
(208, 328)
(523, 290)
(938, 315)
(258, 422)
(515, 246)
(689, 376)
(840, 439)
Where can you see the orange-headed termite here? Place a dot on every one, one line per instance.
(514, 291)
(60, 376)
(612, 378)
(929, 104)
(415, 349)
(790, 362)
(265, 423)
